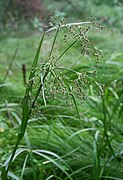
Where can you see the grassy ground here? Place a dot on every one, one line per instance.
(63, 145)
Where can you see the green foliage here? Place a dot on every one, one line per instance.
(65, 137)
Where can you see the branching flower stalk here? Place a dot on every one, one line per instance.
(51, 70)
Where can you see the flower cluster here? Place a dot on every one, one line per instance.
(57, 82)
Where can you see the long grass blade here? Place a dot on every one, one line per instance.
(23, 168)
(11, 62)
(42, 154)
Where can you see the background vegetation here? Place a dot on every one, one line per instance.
(70, 134)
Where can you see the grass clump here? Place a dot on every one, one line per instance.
(66, 137)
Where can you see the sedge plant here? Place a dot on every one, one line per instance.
(50, 79)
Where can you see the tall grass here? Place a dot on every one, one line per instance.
(29, 105)
(60, 142)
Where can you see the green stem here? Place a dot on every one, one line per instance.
(54, 40)
(67, 49)
(105, 134)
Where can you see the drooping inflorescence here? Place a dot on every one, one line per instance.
(59, 82)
